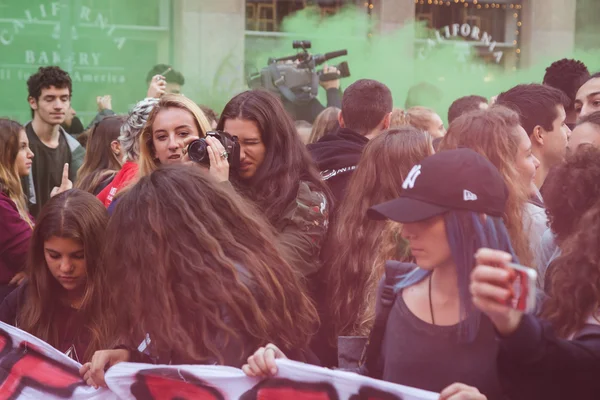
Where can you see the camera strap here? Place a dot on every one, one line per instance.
(279, 81)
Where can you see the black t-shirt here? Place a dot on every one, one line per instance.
(47, 167)
(418, 354)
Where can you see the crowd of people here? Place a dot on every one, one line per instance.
(374, 239)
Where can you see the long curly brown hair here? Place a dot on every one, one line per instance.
(491, 133)
(573, 187)
(354, 265)
(573, 280)
(194, 265)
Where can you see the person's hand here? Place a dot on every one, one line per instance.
(262, 362)
(491, 288)
(459, 391)
(335, 84)
(219, 165)
(104, 102)
(18, 278)
(93, 371)
(65, 183)
(158, 86)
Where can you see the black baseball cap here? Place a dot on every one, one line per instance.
(460, 179)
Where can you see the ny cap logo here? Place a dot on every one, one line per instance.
(469, 196)
(410, 180)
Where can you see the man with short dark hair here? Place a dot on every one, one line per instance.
(465, 104)
(567, 75)
(587, 100)
(162, 78)
(366, 112)
(541, 109)
(50, 93)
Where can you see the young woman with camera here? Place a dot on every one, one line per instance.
(209, 284)
(174, 123)
(277, 173)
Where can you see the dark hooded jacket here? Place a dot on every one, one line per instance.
(337, 155)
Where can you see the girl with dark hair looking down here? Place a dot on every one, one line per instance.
(61, 300)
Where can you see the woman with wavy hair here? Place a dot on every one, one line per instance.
(103, 158)
(61, 301)
(355, 253)
(496, 134)
(209, 284)
(425, 119)
(17, 224)
(572, 190)
(573, 279)
(277, 173)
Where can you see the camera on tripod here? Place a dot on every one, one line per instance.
(296, 77)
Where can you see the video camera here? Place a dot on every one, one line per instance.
(296, 77)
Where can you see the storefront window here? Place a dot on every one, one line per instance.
(267, 15)
(490, 29)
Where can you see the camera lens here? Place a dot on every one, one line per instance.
(197, 150)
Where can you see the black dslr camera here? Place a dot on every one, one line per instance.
(197, 150)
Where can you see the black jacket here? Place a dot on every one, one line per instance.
(534, 364)
(337, 155)
(311, 110)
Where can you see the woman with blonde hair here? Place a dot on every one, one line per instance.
(326, 122)
(103, 158)
(497, 134)
(173, 123)
(16, 223)
(424, 119)
(355, 252)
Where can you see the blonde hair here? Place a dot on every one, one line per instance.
(420, 117)
(399, 118)
(325, 123)
(492, 133)
(147, 163)
(10, 182)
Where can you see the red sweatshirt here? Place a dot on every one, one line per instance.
(122, 179)
(15, 233)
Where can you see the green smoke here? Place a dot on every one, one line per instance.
(392, 58)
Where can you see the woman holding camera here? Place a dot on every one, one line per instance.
(278, 175)
(175, 122)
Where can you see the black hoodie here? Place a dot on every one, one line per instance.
(337, 155)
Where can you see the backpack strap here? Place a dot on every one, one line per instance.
(395, 274)
(588, 330)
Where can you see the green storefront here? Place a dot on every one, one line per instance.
(107, 47)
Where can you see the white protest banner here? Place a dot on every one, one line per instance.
(294, 380)
(32, 369)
